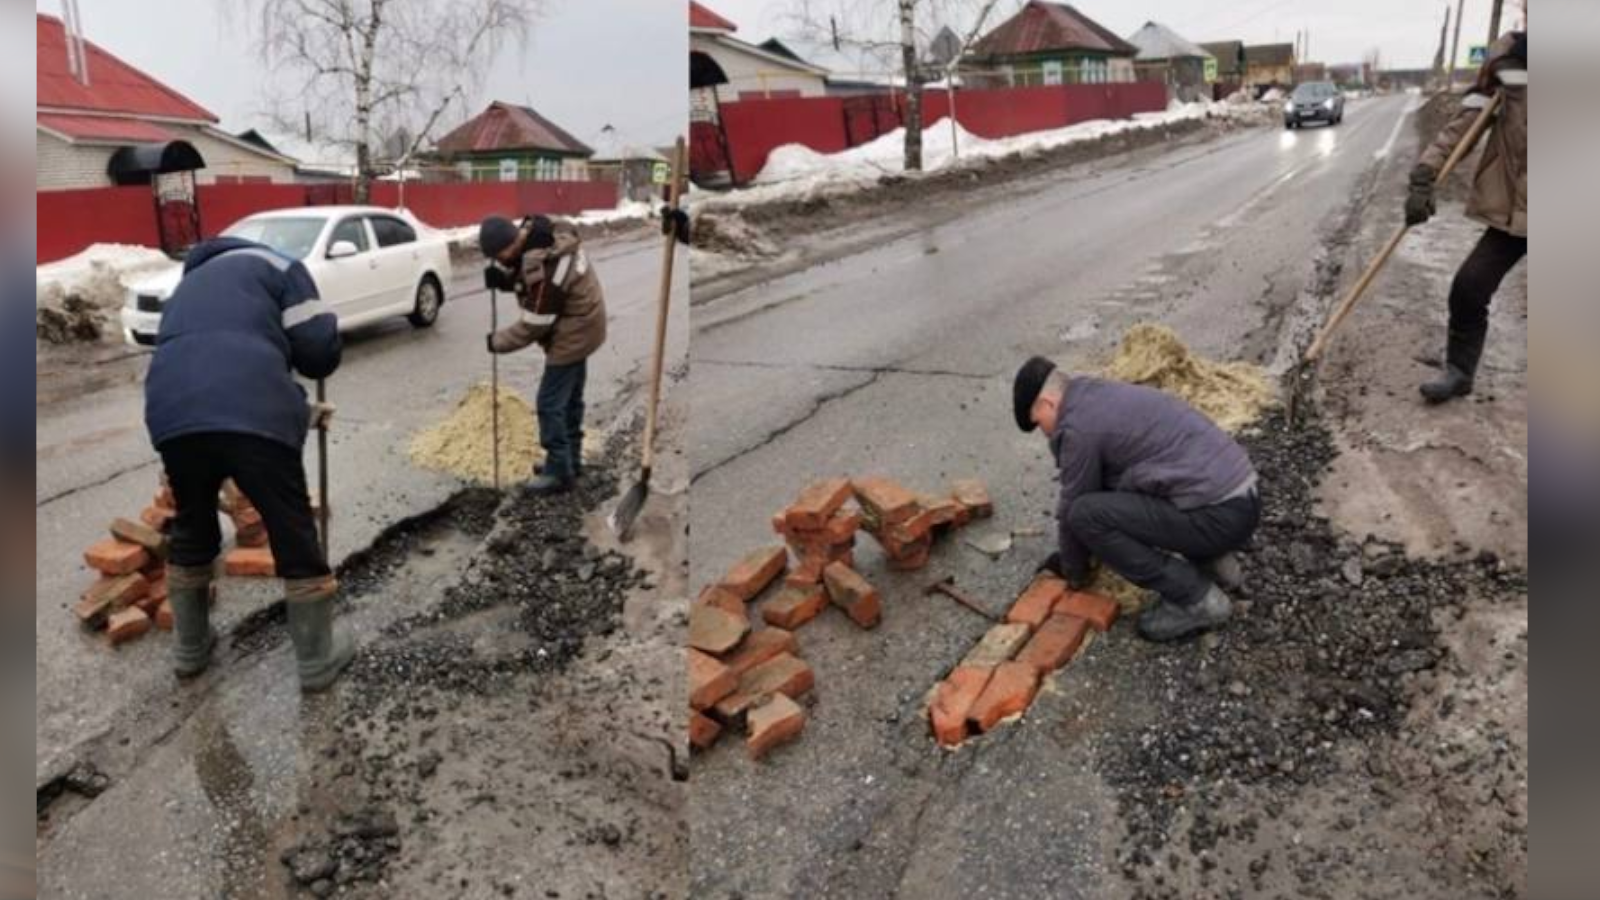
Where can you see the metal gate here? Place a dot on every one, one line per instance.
(868, 117)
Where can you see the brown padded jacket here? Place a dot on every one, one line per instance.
(1499, 196)
(563, 305)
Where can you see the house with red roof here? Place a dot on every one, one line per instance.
(508, 142)
(84, 117)
(746, 71)
(1053, 43)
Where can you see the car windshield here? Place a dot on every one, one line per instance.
(291, 237)
(1312, 92)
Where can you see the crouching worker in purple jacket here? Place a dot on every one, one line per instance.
(1150, 487)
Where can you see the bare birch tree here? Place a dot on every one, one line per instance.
(362, 70)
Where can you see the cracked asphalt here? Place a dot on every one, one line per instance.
(896, 359)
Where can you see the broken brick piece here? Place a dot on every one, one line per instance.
(952, 703)
(720, 598)
(233, 500)
(795, 606)
(114, 557)
(1055, 643)
(140, 534)
(999, 645)
(775, 721)
(817, 503)
(108, 595)
(163, 617)
(1007, 694)
(759, 647)
(164, 498)
(127, 625)
(703, 730)
(709, 680)
(913, 556)
(1100, 610)
(972, 494)
(809, 565)
(783, 674)
(158, 517)
(852, 593)
(249, 562)
(883, 501)
(716, 630)
(1036, 603)
(944, 512)
(751, 575)
(251, 536)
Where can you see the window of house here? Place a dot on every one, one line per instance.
(1052, 71)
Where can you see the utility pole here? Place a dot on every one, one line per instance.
(1438, 55)
(1455, 47)
(1494, 21)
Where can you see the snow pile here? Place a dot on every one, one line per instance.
(74, 298)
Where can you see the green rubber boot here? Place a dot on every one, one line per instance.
(189, 595)
(321, 650)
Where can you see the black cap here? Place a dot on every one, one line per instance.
(541, 232)
(495, 235)
(1030, 381)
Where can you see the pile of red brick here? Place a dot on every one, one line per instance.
(130, 594)
(739, 677)
(999, 678)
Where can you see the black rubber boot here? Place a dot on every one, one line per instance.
(321, 650)
(189, 595)
(1169, 622)
(1461, 366)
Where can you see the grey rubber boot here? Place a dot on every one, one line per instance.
(321, 650)
(1170, 622)
(1225, 571)
(189, 595)
(1461, 368)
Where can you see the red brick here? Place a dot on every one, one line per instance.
(233, 500)
(953, 702)
(1036, 603)
(114, 557)
(246, 516)
(703, 730)
(709, 680)
(127, 625)
(759, 647)
(131, 532)
(722, 599)
(1007, 694)
(108, 595)
(158, 517)
(164, 498)
(913, 556)
(850, 592)
(817, 503)
(249, 562)
(1100, 610)
(1055, 643)
(972, 494)
(809, 565)
(999, 645)
(783, 674)
(751, 575)
(897, 541)
(715, 630)
(774, 722)
(252, 537)
(884, 502)
(795, 606)
(163, 616)
(154, 596)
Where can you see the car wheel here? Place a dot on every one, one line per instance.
(430, 299)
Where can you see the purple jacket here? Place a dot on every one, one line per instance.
(1113, 436)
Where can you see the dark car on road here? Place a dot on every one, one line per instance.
(1314, 101)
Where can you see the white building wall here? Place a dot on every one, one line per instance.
(63, 166)
(223, 158)
(751, 74)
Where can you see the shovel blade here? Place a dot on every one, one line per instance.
(627, 512)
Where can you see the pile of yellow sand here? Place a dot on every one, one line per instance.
(1231, 394)
(462, 445)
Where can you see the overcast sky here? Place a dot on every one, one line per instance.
(1406, 32)
(589, 63)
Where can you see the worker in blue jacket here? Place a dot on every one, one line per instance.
(221, 401)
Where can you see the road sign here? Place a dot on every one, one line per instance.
(1211, 69)
(1478, 54)
(660, 173)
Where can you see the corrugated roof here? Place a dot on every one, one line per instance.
(1040, 27)
(1157, 41)
(114, 86)
(700, 17)
(507, 126)
(105, 128)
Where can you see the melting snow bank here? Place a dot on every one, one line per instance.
(625, 212)
(75, 298)
(794, 171)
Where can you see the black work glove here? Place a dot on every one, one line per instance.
(496, 278)
(1077, 580)
(1419, 196)
(675, 221)
(1051, 564)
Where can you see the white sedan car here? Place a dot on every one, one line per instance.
(368, 263)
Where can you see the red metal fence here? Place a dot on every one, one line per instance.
(830, 124)
(70, 221)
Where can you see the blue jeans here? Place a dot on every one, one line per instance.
(560, 408)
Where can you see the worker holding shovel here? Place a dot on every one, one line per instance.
(1149, 486)
(221, 402)
(1499, 200)
(564, 312)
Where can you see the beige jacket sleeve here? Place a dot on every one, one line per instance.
(1472, 104)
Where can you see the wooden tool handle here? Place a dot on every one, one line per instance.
(322, 471)
(669, 250)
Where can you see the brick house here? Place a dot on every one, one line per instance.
(1052, 43)
(1269, 64)
(507, 142)
(82, 123)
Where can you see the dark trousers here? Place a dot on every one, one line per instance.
(1474, 287)
(560, 408)
(1158, 546)
(271, 474)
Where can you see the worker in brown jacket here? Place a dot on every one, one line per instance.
(564, 312)
(1499, 200)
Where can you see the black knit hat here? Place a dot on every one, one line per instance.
(495, 235)
(1030, 381)
(541, 232)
